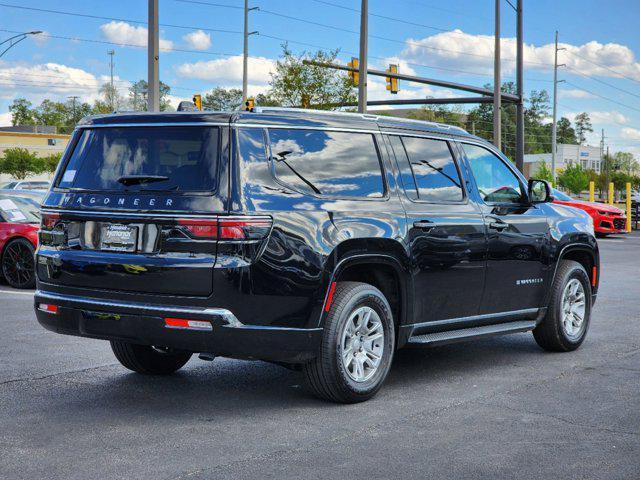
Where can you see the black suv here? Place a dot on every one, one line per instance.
(321, 241)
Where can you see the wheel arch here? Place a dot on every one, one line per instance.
(586, 256)
(385, 272)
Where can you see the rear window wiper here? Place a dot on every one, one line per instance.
(138, 179)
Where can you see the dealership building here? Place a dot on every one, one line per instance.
(589, 158)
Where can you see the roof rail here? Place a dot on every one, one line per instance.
(365, 116)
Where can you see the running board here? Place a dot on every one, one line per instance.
(463, 334)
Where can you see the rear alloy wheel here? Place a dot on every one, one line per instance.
(357, 345)
(149, 360)
(18, 264)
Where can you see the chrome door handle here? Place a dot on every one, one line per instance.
(426, 226)
(499, 226)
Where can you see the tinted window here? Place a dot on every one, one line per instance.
(327, 163)
(434, 170)
(19, 209)
(496, 182)
(186, 156)
(406, 174)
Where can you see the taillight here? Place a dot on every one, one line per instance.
(228, 228)
(49, 220)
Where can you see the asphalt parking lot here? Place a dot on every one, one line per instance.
(498, 408)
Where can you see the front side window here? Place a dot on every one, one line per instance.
(496, 182)
(327, 163)
(434, 170)
(144, 158)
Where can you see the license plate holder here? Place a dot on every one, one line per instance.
(116, 237)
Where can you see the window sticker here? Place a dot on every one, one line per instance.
(69, 175)
(7, 204)
(16, 216)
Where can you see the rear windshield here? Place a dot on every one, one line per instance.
(144, 159)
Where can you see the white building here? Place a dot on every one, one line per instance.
(586, 156)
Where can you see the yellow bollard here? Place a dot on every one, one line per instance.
(592, 191)
(628, 206)
(610, 199)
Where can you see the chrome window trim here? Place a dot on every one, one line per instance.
(154, 124)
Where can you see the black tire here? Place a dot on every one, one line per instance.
(18, 263)
(326, 376)
(149, 360)
(550, 334)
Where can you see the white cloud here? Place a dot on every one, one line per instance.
(229, 70)
(5, 119)
(198, 40)
(124, 33)
(601, 117)
(631, 133)
(41, 39)
(456, 49)
(573, 93)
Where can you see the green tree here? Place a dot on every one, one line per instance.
(51, 161)
(222, 99)
(565, 132)
(19, 163)
(583, 126)
(22, 112)
(544, 172)
(295, 84)
(138, 96)
(626, 162)
(574, 179)
(110, 100)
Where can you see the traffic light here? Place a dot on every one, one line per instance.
(354, 76)
(249, 104)
(392, 83)
(197, 101)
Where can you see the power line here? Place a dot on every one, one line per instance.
(105, 42)
(602, 96)
(602, 66)
(115, 19)
(601, 81)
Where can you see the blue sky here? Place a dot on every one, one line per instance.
(450, 40)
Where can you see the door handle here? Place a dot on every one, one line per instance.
(499, 226)
(424, 225)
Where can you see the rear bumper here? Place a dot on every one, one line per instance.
(145, 324)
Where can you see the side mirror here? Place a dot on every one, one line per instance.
(540, 191)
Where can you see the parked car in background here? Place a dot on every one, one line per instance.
(606, 218)
(19, 225)
(26, 185)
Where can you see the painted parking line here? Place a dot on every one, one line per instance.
(10, 291)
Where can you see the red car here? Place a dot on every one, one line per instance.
(606, 218)
(19, 225)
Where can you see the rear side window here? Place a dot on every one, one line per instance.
(174, 159)
(335, 164)
(428, 170)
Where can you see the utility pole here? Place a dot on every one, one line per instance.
(245, 54)
(554, 125)
(520, 89)
(73, 99)
(497, 83)
(153, 58)
(364, 34)
(111, 53)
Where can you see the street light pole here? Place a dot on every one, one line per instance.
(153, 59)
(364, 34)
(497, 83)
(17, 39)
